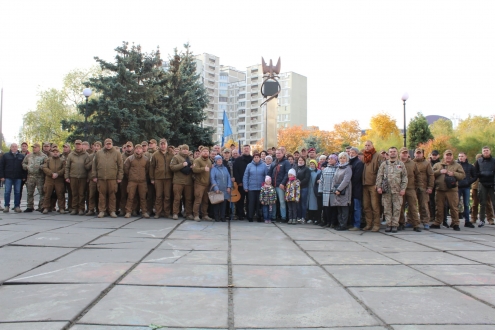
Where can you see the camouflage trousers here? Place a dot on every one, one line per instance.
(32, 183)
(392, 204)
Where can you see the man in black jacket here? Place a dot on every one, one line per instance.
(485, 172)
(240, 165)
(464, 186)
(279, 172)
(357, 167)
(435, 158)
(12, 173)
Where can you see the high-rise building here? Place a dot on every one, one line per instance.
(238, 94)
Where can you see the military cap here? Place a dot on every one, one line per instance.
(129, 143)
(403, 149)
(86, 143)
(78, 142)
(184, 147)
(161, 141)
(36, 145)
(446, 152)
(97, 143)
(153, 141)
(108, 141)
(144, 143)
(46, 144)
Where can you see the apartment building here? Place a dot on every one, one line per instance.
(238, 94)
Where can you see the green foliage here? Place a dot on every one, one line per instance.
(418, 131)
(472, 134)
(131, 102)
(442, 127)
(313, 141)
(187, 97)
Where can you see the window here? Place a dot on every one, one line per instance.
(222, 99)
(222, 84)
(222, 92)
(242, 104)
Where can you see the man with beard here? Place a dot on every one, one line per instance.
(371, 200)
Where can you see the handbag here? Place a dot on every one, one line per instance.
(342, 192)
(450, 181)
(214, 197)
(385, 186)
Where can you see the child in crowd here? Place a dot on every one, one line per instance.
(268, 198)
(292, 196)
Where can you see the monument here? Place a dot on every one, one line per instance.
(270, 88)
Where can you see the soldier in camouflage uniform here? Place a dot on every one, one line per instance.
(394, 172)
(36, 178)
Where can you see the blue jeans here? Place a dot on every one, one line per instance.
(302, 206)
(17, 183)
(357, 212)
(281, 200)
(266, 211)
(466, 194)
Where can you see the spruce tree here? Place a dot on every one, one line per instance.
(418, 131)
(187, 99)
(130, 103)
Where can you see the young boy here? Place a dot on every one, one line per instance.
(292, 196)
(268, 199)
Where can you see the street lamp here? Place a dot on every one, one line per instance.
(87, 93)
(404, 99)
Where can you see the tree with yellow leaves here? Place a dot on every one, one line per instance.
(383, 132)
(346, 133)
(292, 138)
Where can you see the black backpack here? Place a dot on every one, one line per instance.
(450, 181)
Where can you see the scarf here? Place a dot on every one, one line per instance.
(368, 155)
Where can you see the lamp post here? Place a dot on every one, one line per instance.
(87, 93)
(404, 99)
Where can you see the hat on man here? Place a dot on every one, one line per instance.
(312, 149)
(184, 147)
(138, 146)
(303, 149)
(154, 141)
(404, 149)
(36, 145)
(161, 141)
(418, 150)
(46, 144)
(435, 152)
(78, 142)
(66, 145)
(108, 141)
(144, 143)
(97, 143)
(86, 143)
(448, 152)
(55, 149)
(129, 144)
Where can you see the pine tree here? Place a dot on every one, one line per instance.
(187, 100)
(418, 131)
(131, 102)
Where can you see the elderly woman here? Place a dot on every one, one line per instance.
(268, 161)
(314, 211)
(322, 162)
(221, 184)
(330, 211)
(341, 186)
(254, 177)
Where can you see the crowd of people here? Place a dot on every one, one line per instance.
(334, 190)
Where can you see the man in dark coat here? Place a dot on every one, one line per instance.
(12, 173)
(357, 167)
(240, 165)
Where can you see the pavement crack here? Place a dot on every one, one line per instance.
(230, 282)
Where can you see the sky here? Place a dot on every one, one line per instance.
(360, 57)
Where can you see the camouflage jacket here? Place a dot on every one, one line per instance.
(32, 164)
(396, 175)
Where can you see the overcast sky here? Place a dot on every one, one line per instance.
(359, 56)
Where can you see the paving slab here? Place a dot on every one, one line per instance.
(108, 327)
(380, 275)
(23, 227)
(332, 246)
(396, 246)
(45, 302)
(188, 244)
(104, 255)
(298, 307)
(7, 237)
(351, 258)
(301, 234)
(485, 293)
(485, 257)
(460, 246)
(146, 233)
(32, 325)
(281, 277)
(62, 272)
(460, 274)
(429, 258)
(200, 226)
(82, 231)
(432, 237)
(320, 328)
(191, 234)
(58, 239)
(108, 242)
(166, 306)
(188, 257)
(97, 224)
(178, 275)
(443, 327)
(477, 237)
(286, 254)
(426, 302)
(151, 224)
(259, 234)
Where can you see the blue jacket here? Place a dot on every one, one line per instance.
(254, 175)
(220, 179)
(279, 172)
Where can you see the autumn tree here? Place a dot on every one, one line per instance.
(418, 131)
(383, 132)
(442, 127)
(347, 133)
(292, 138)
(473, 133)
(440, 143)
